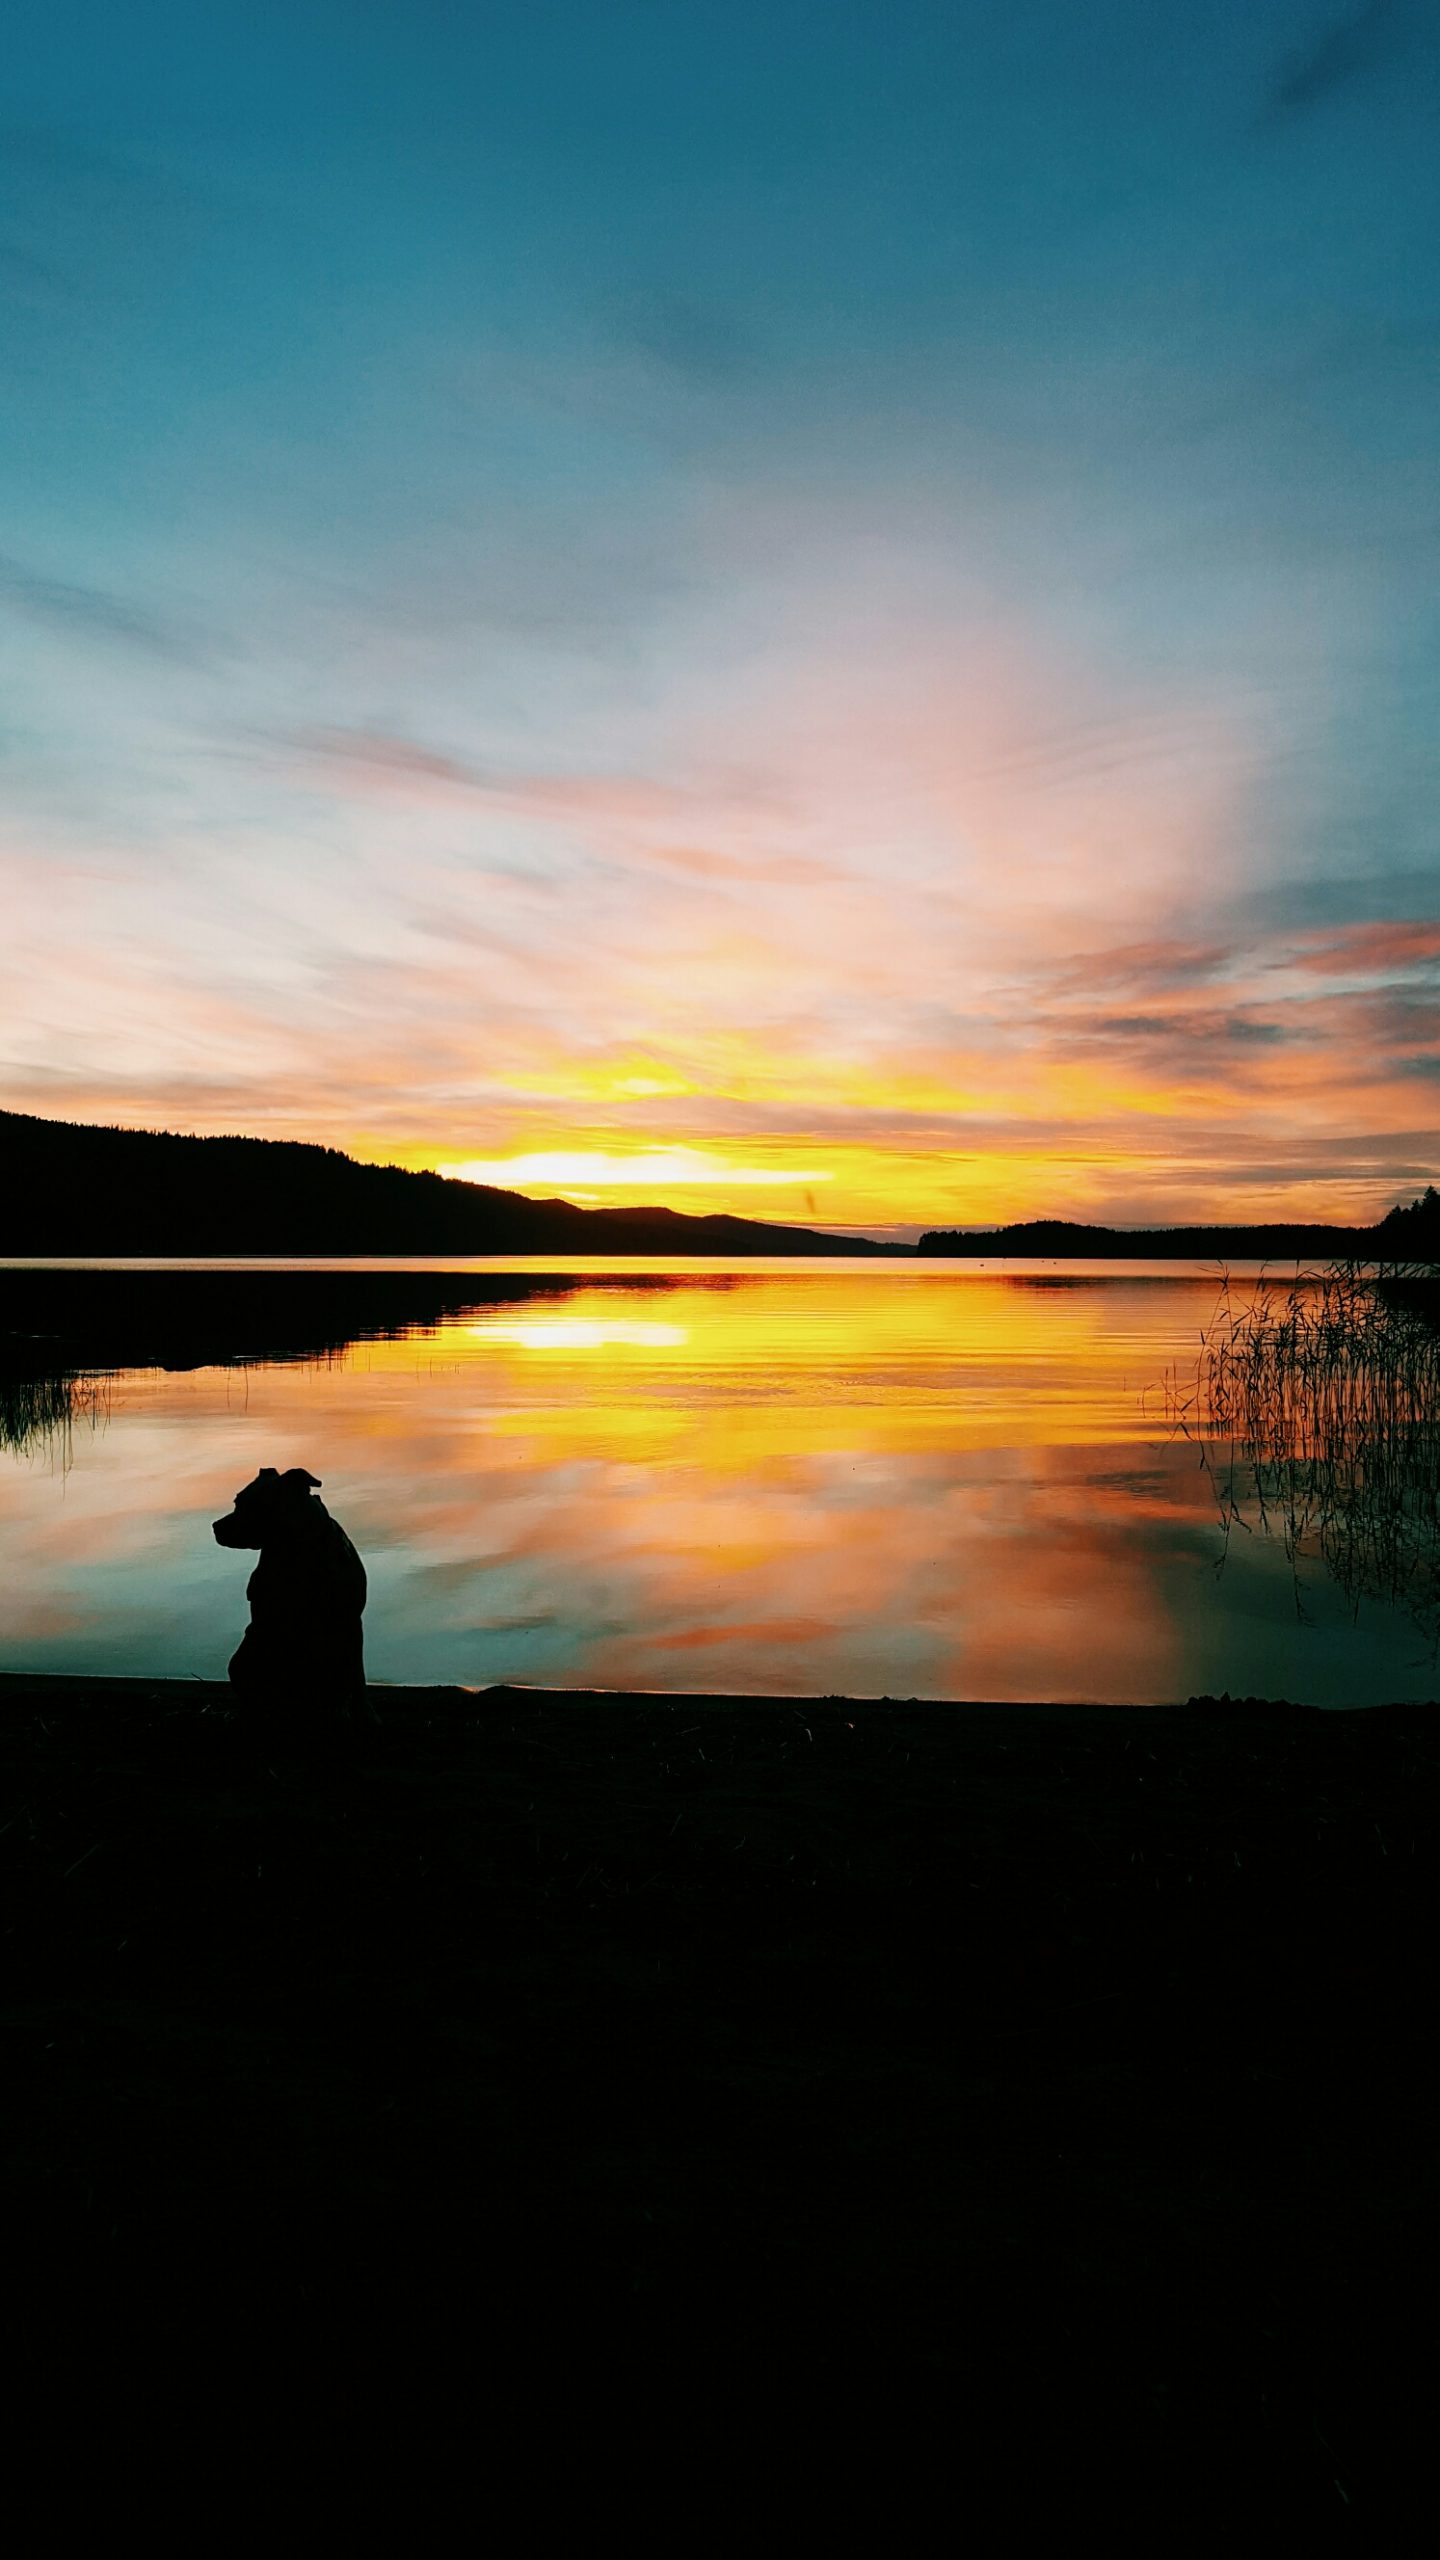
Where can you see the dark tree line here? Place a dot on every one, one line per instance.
(66, 1188)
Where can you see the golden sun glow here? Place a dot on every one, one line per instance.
(580, 1333)
(673, 1168)
(1137, 1116)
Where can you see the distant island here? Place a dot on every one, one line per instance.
(1405, 1235)
(70, 1189)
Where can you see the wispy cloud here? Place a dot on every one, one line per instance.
(700, 339)
(93, 613)
(1337, 55)
(1367, 950)
(1138, 966)
(735, 643)
(84, 222)
(629, 814)
(377, 760)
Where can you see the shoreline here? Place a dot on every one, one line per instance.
(167, 1688)
(1072, 2064)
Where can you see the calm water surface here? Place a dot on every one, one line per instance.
(948, 1481)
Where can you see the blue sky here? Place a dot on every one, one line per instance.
(845, 594)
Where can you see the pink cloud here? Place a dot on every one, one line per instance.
(1374, 950)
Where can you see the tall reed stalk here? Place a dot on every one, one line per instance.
(1317, 1407)
(41, 1412)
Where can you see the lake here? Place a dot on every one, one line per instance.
(869, 1478)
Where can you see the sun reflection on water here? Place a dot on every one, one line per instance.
(845, 1482)
(579, 1333)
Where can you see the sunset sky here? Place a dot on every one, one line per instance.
(828, 610)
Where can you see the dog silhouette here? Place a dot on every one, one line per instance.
(306, 1595)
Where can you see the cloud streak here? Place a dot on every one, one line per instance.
(70, 607)
(1337, 57)
(867, 621)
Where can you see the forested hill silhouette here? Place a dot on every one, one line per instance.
(1405, 1235)
(68, 1188)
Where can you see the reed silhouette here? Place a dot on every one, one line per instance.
(304, 1645)
(42, 1411)
(1317, 1406)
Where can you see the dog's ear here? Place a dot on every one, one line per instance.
(267, 1471)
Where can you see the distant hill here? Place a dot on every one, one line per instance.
(1405, 1235)
(66, 1188)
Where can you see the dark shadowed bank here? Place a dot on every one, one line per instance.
(1064, 2077)
(64, 1332)
(85, 1322)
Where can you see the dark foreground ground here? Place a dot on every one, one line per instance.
(1021, 2095)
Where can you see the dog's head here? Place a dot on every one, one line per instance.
(272, 1507)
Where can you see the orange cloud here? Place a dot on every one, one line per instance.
(1368, 950)
(910, 921)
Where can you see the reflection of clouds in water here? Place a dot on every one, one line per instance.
(579, 1333)
(848, 1484)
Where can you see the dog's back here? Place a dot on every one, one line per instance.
(307, 1594)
